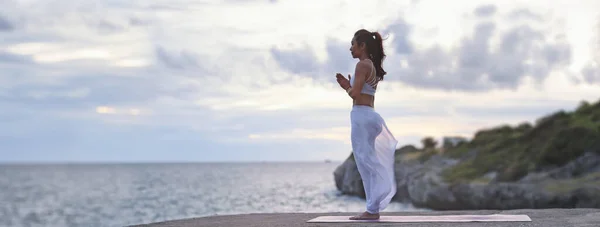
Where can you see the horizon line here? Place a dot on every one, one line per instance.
(105, 162)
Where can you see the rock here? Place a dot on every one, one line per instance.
(426, 187)
(501, 196)
(422, 185)
(406, 149)
(585, 164)
(428, 190)
(347, 178)
(586, 197)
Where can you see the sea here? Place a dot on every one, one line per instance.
(89, 195)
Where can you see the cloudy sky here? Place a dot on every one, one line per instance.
(250, 80)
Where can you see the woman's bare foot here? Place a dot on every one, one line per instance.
(365, 216)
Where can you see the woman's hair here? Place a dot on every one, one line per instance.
(374, 49)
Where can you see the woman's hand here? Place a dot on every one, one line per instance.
(342, 81)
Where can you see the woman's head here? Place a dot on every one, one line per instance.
(369, 45)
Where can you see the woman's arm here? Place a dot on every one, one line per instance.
(360, 75)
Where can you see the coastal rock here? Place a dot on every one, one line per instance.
(422, 185)
(496, 196)
(425, 185)
(347, 178)
(585, 164)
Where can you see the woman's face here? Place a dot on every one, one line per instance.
(355, 49)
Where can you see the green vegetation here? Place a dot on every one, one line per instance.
(410, 152)
(425, 155)
(429, 143)
(512, 152)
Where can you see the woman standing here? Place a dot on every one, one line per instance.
(373, 145)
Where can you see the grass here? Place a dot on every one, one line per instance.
(412, 156)
(427, 154)
(481, 180)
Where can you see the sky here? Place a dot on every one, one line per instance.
(250, 80)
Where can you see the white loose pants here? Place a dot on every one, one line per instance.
(373, 146)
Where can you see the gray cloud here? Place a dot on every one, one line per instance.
(473, 53)
(62, 88)
(401, 30)
(339, 57)
(303, 61)
(106, 27)
(524, 14)
(474, 65)
(270, 1)
(135, 21)
(485, 10)
(180, 60)
(6, 57)
(296, 61)
(30, 85)
(478, 68)
(5, 25)
(591, 74)
(86, 91)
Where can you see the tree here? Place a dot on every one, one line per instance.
(429, 143)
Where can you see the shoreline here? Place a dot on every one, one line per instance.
(577, 217)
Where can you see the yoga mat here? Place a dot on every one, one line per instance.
(431, 218)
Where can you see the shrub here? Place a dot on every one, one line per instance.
(567, 145)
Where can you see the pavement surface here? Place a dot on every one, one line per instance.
(539, 217)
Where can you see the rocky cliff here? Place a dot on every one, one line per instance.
(554, 164)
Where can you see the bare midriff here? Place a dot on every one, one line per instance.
(364, 100)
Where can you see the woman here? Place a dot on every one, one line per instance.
(373, 145)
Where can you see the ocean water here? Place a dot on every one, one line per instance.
(91, 195)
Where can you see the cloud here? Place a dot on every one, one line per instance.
(524, 14)
(79, 90)
(251, 1)
(485, 10)
(5, 25)
(478, 65)
(489, 59)
(591, 73)
(181, 60)
(153, 80)
(338, 57)
(9, 58)
(296, 61)
(303, 61)
(401, 30)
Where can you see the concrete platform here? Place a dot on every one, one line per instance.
(540, 217)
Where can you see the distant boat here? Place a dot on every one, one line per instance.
(327, 161)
